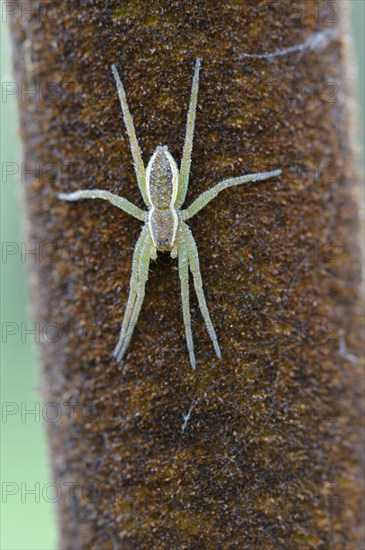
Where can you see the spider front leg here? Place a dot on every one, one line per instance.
(184, 282)
(189, 136)
(193, 257)
(133, 141)
(146, 251)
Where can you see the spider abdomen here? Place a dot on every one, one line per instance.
(163, 226)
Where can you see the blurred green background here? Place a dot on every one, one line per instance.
(27, 514)
(27, 521)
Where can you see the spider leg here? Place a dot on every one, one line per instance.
(147, 252)
(189, 135)
(121, 203)
(133, 141)
(132, 289)
(184, 281)
(209, 195)
(198, 284)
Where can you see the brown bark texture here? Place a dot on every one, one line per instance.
(260, 449)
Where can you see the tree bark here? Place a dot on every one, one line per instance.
(260, 449)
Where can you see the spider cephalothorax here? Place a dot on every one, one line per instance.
(163, 187)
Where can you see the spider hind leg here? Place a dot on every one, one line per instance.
(184, 282)
(198, 284)
(143, 253)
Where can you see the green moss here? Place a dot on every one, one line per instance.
(128, 9)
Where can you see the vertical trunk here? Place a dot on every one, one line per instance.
(257, 450)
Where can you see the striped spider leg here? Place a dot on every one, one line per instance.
(163, 187)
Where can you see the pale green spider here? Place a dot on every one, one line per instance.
(163, 187)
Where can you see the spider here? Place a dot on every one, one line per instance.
(163, 187)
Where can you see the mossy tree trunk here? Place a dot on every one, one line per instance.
(257, 450)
